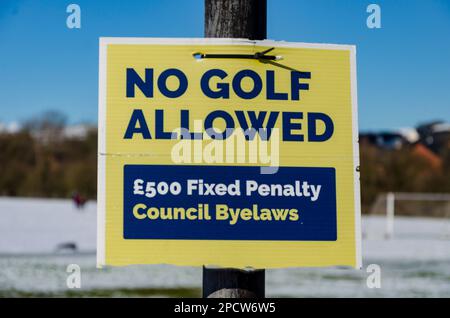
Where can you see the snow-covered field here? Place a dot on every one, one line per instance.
(415, 263)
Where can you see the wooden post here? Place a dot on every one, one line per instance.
(235, 19)
(233, 283)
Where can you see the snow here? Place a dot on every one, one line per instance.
(415, 263)
(39, 225)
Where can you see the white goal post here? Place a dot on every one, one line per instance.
(392, 197)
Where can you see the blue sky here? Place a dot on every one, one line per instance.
(403, 68)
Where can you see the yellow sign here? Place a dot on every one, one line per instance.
(227, 152)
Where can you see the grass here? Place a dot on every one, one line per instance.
(121, 292)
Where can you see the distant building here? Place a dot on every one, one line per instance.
(10, 128)
(422, 151)
(77, 131)
(435, 135)
(385, 140)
